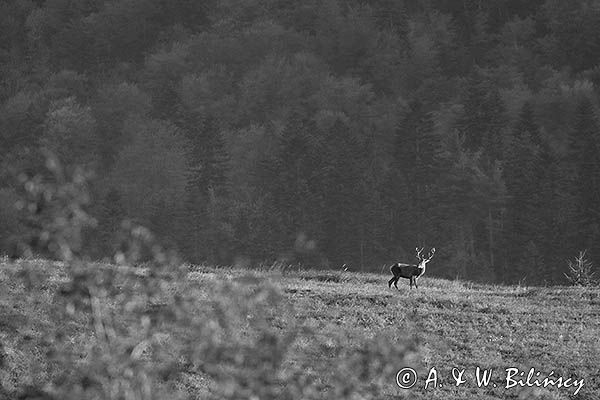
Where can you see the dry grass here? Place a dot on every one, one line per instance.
(316, 334)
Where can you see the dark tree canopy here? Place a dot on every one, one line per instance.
(319, 132)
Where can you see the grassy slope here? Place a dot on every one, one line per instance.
(464, 325)
(454, 324)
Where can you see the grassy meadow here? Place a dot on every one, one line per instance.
(287, 334)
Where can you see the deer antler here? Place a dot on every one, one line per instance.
(419, 251)
(431, 254)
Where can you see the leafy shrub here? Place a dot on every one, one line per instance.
(133, 330)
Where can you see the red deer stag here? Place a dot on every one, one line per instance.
(410, 271)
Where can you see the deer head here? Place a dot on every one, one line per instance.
(422, 259)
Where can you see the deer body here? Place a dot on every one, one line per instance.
(410, 271)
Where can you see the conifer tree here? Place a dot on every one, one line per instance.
(343, 193)
(483, 119)
(585, 160)
(290, 177)
(418, 159)
(551, 231)
(522, 174)
(206, 188)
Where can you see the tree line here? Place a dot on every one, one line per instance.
(321, 133)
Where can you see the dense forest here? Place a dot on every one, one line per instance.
(315, 132)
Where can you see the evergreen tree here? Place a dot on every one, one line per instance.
(206, 190)
(585, 158)
(343, 193)
(290, 178)
(418, 159)
(522, 174)
(484, 119)
(467, 195)
(551, 232)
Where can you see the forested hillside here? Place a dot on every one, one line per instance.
(320, 132)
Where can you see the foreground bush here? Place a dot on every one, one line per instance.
(145, 330)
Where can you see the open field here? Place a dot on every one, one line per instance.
(301, 334)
